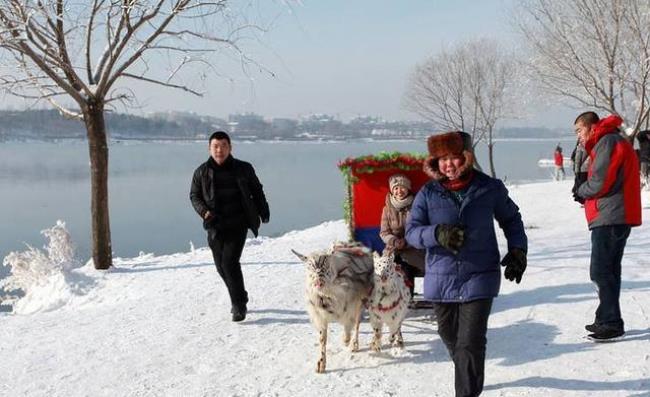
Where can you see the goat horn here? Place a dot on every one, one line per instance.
(301, 256)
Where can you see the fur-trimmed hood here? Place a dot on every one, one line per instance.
(608, 125)
(430, 166)
(449, 143)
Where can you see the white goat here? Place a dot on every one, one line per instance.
(338, 283)
(388, 302)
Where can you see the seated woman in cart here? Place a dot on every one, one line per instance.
(393, 222)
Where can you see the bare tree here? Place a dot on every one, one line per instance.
(80, 56)
(469, 88)
(594, 53)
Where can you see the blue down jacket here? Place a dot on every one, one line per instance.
(474, 273)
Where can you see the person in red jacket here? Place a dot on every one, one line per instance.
(559, 163)
(612, 195)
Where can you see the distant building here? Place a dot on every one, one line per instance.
(282, 127)
(321, 124)
(247, 123)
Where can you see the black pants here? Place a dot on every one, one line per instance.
(227, 247)
(607, 246)
(463, 328)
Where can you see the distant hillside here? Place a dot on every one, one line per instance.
(49, 124)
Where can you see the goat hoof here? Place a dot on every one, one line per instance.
(354, 347)
(376, 347)
(320, 367)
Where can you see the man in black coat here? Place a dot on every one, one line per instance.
(229, 198)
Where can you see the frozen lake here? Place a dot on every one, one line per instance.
(149, 187)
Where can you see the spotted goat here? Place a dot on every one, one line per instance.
(338, 283)
(388, 303)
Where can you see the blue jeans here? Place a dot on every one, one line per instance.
(607, 245)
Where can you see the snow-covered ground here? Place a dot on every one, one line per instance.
(160, 325)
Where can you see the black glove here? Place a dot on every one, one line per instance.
(581, 177)
(578, 198)
(451, 237)
(265, 219)
(515, 263)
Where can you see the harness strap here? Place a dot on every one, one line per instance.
(388, 308)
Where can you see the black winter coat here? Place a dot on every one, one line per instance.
(253, 200)
(644, 145)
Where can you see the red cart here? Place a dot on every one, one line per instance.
(366, 178)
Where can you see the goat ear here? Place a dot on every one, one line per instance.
(301, 256)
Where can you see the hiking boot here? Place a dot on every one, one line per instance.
(604, 334)
(238, 312)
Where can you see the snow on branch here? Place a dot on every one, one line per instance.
(34, 266)
(85, 48)
(592, 53)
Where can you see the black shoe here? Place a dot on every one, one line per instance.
(606, 334)
(238, 313)
(593, 328)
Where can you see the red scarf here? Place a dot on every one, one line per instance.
(460, 183)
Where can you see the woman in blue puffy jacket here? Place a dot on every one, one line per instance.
(452, 217)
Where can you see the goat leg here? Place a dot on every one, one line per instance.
(347, 332)
(396, 337)
(355, 341)
(375, 321)
(320, 366)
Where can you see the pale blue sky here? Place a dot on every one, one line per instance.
(344, 58)
(354, 57)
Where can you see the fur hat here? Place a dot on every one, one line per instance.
(441, 145)
(445, 144)
(399, 180)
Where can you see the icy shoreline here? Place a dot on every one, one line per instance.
(160, 325)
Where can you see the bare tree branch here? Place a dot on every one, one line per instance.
(469, 88)
(163, 83)
(592, 52)
(50, 46)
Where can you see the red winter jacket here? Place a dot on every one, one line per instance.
(559, 160)
(612, 192)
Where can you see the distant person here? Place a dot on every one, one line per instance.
(559, 163)
(644, 156)
(452, 217)
(393, 223)
(612, 205)
(580, 160)
(229, 198)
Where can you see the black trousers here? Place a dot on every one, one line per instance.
(607, 246)
(463, 328)
(227, 247)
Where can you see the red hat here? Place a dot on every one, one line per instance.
(445, 144)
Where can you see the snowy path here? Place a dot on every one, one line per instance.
(158, 326)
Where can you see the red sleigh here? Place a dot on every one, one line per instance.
(366, 178)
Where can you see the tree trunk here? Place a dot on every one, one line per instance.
(98, 150)
(493, 173)
(477, 165)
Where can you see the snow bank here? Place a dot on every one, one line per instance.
(161, 326)
(46, 279)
